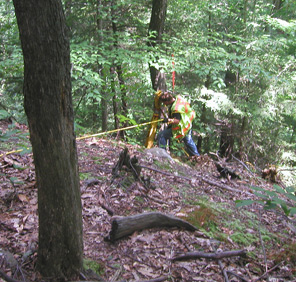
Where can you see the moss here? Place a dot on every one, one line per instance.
(94, 266)
(164, 165)
(85, 154)
(84, 175)
(139, 199)
(243, 238)
(221, 237)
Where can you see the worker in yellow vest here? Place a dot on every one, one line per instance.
(180, 120)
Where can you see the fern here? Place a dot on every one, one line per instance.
(284, 198)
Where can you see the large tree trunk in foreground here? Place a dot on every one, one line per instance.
(48, 105)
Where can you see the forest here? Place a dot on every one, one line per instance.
(233, 60)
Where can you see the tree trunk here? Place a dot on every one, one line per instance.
(277, 4)
(123, 92)
(48, 105)
(116, 72)
(120, 134)
(118, 66)
(104, 105)
(226, 140)
(156, 27)
(241, 137)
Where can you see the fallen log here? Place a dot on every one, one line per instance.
(213, 256)
(124, 226)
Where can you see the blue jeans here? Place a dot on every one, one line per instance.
(167, 134)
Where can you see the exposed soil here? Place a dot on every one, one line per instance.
(191, 190)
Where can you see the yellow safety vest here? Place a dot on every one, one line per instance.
(182, 107)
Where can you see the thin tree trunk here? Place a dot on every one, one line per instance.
(48, 105)
(277, 5)
(241, 137)
(120, 134)
(123, 91)
(117, 72)
(104, 105)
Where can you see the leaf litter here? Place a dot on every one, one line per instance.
(147, 254)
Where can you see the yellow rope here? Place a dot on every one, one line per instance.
(119, 129)
(98, 134)
(11, 152)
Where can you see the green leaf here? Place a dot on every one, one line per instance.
(291, 197)
(279, 189)
(285, 209)
(291, 189)
(260, 195)
(292, 211)
(270, 193)
(15, 180)
(241, 203)
(270, 205)
(258, 188)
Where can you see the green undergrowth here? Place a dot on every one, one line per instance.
(228, 224)
(166, 166)
(94, 266)
(14, 139)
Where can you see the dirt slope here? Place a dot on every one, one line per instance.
(192, 191)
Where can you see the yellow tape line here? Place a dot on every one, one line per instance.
(94, 135)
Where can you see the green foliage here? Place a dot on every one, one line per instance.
(11, 63)
(14, 137)
(84, 175)
(177, 148)
(15, 181)
(94, 266)
(285, 198)
(254, 43)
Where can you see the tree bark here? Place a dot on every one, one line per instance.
(48, 105)
(156, 28)
(102, 71)
(277, 4)
(124, 226)
(117, 73)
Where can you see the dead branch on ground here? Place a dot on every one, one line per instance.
(213, 256)
(124, 226)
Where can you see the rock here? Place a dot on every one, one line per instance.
(159, 153)
(9, 259)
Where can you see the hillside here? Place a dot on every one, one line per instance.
(190, 190)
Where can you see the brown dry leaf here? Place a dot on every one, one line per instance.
(23, 198)
(147, 271)
(11, 162)
(145, 254)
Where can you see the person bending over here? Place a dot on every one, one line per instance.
(180, 120)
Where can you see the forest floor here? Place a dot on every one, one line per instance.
(190, 190)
